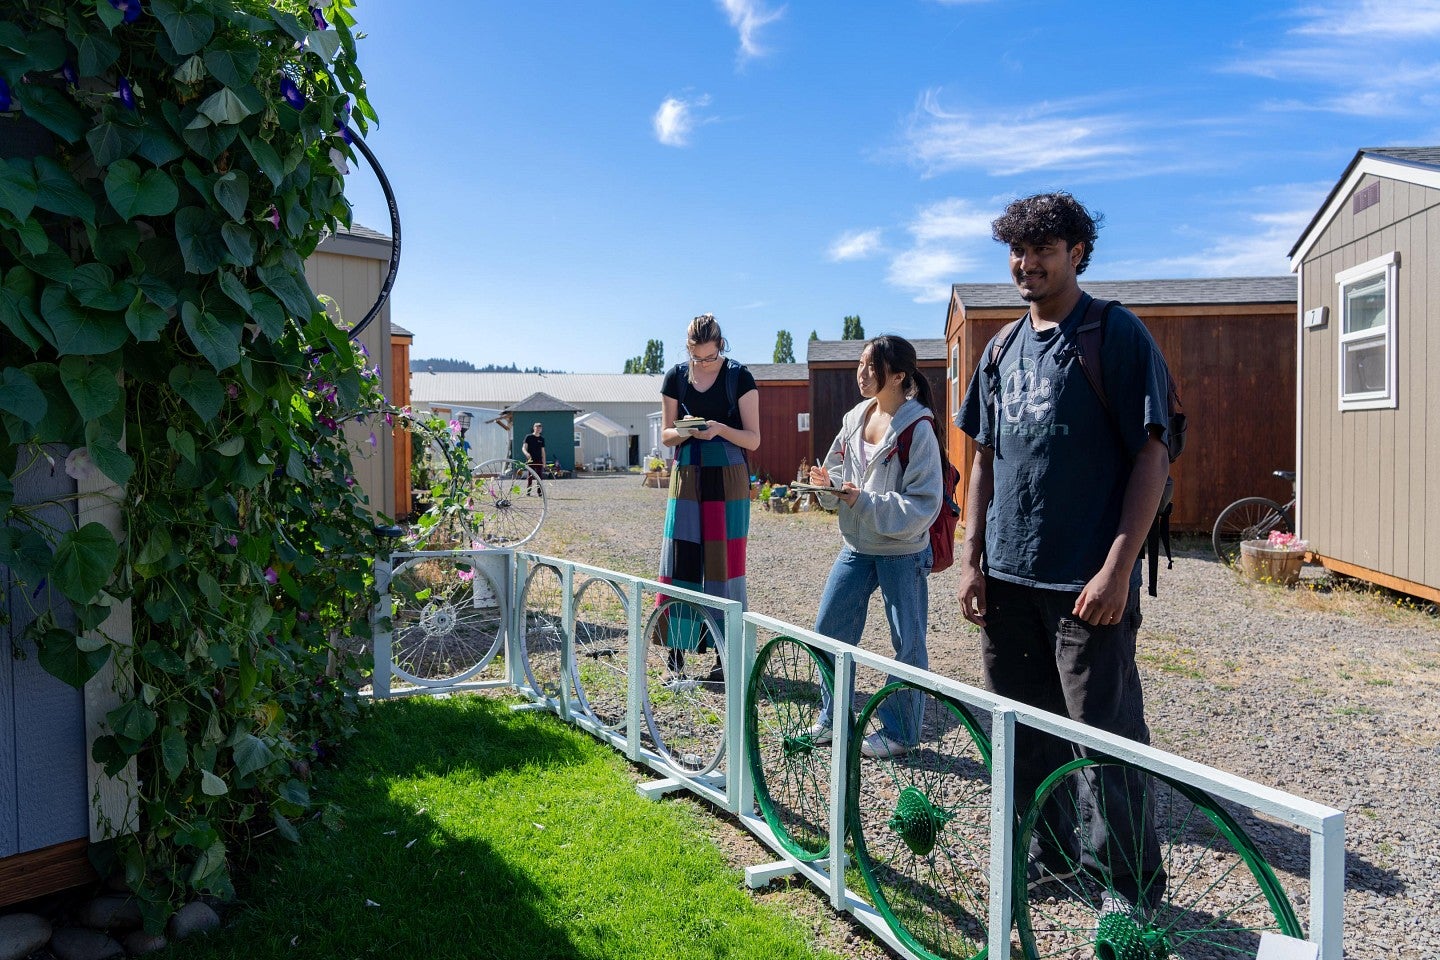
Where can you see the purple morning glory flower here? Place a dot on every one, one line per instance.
(130, 8)
(67, 70)
(291, 93)
(319, 19)
(345, 133)
(271, 577)
(273, 215)
(233, 540)
(4, 95)
(127, 96)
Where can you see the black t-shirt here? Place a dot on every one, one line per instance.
(534, 448)
(711, 404)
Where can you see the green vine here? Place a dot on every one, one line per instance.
(156, 327)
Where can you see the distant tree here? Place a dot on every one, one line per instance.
(784, 347)
(654, 358)
(814, 335)
(853, 330)
(634, 364)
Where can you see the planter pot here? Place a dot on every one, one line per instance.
(1260, 561)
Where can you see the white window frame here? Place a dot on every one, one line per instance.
(954, 379)
(1388, 266)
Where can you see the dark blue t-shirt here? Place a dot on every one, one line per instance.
(1061, 467)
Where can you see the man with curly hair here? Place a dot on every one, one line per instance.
(1063, 489)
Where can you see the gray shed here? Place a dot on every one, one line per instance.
(1369, 266)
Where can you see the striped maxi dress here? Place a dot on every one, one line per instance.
(707, 521)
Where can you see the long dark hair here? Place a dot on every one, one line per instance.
(891, 354)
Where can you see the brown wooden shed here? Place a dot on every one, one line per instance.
(833, 390)
(1369, 469)
(784, 410)
(1228, 341)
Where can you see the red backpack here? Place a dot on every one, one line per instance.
(942, 530)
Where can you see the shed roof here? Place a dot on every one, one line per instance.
(539, 402)
(1192, 291)
(398, 331)
(821, 351)
(1411, 164)
(584, 389)
(778, 371)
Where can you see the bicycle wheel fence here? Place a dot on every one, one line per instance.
(927, 848)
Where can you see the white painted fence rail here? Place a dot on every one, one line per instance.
(728, 784)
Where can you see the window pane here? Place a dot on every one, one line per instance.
(1365, 367)
(1365, 304)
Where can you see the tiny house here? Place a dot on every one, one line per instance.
(1369, 470)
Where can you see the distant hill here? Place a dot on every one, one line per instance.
(447, 365)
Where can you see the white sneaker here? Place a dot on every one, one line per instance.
(880, 747)
(820, 734)
(1112, 902)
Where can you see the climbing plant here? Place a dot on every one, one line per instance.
(169, 166)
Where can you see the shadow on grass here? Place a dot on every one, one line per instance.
(395, 878)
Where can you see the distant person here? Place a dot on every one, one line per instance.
(886, 508)
(707, 518)
(534, 444)
(1063, 489)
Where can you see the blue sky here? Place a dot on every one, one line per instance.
(575, 177)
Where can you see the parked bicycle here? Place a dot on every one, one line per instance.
(1251, 518)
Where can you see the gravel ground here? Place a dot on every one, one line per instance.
(1323, 692)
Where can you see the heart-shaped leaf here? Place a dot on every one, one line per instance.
(240, 241)
(52, 110)
(57, 191)
(200, 388)
(17, 187)
(222, 107)
(218, 341)
(91, 385)
(251, 754)
(63, 658)
(145, 319)
(136, 194)
(110, 141)
(94, 52)
(231, 62)
(80, 330)
(188, 29)
(233, 192)
(84, 562)
(198, 231)
(19, 395)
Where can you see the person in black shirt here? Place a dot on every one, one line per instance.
(534, 445)
(707, 519)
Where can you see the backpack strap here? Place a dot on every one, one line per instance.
(907, 436)
(732, 387)
(1000, 344)
(1088, 337)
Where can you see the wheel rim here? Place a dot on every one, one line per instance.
(684, 710)
(510, 503)
(1249, 519)
(602, 652)
(543, 629)
(921, 827)
(1217, 897)
(791, 771)
(446, 619)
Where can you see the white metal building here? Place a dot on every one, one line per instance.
(625, 399)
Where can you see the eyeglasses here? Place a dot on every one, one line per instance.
(702, 361)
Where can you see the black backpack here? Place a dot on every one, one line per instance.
(1089, 335)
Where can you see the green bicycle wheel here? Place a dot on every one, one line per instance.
(920, 822)
(1213, 896)
(790, 768)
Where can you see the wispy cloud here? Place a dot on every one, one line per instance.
(1259, 246)
(1365, 59)
(940, 140)
(677, 118)
(855, 245)
(748, 17)
(947, 240)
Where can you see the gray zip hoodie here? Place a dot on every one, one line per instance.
(893, 513)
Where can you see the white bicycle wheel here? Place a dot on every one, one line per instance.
(543, 630)
(685, 687)
(601, 671)
(509, 503)
(447, 619)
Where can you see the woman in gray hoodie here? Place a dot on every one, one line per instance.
(885, 507)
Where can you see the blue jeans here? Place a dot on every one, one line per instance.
(903, 585)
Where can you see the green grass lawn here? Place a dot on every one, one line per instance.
(473, 831)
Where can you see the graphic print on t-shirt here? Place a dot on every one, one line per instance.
(1027, 399)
